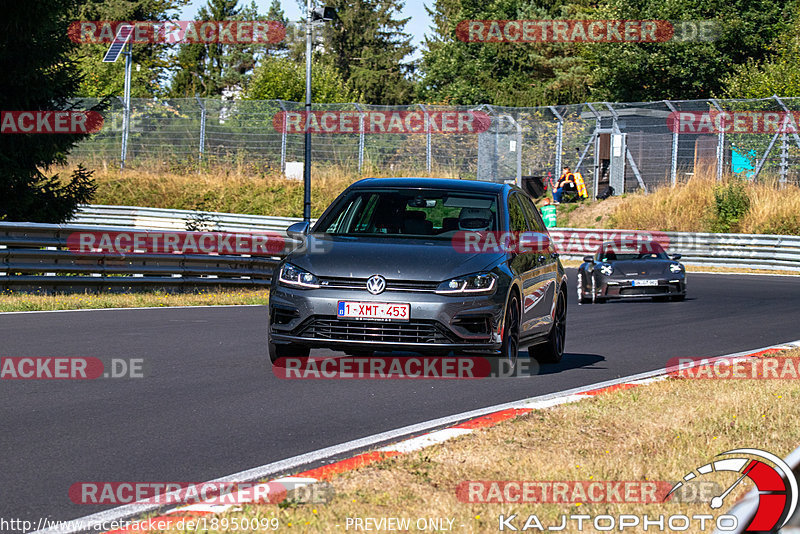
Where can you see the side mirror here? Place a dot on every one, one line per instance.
(676, 257)
(588, 259)
(298, 230)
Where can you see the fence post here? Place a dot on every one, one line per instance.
(125, 123)
(360, 138)
(283, 138)
(202, 131)
(673, 168)
(720, 143)
(784, 169)
(559, 139)
(427, 138)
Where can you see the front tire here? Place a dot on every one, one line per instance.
(509, 351)
(582, 298)
(277, 351)
(553, 349)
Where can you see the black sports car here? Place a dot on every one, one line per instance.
(621, 270)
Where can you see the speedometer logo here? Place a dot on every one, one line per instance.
(775, 485)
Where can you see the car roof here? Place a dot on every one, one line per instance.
(432, 183)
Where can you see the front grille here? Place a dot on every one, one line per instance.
(391, 285)
(647, 290)
(376, 331)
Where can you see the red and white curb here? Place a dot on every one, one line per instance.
(465, 423)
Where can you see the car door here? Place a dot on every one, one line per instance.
(544, 273)
(523, 263)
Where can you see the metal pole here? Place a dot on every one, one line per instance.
(720, 143)
(126, 112)
(427, 139)
(784, 169)
(673, 169)
(307, 156)
(360, 138)
(559, 139)
(202, 129)
(283, 138)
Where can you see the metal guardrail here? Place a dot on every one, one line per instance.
(35, 256)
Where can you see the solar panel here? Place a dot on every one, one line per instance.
(123, 35)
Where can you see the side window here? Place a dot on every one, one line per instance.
(516, 215)
(535, 223)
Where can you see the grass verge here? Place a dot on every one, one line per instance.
(657, 432)
(10, 302)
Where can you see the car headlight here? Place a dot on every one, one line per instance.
(474, 284)
(606, 269)
(676, 267)
(296, 277)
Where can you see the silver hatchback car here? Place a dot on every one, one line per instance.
(384, 268)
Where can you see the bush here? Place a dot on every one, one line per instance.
(731, 204)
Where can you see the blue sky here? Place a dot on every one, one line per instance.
(418, 25)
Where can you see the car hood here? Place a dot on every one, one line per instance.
(640, 267)
(393, 258)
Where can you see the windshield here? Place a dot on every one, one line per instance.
(410, 213)
(650, 250)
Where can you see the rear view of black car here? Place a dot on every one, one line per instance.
(382, 270)
(622, 269)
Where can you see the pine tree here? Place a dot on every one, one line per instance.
(38, 74)
(368, 47)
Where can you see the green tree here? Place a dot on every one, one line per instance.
(206, 69)
(100, 79)
(38, 74)
(778, 75)
(278, 78)
(644, 72)
(368, 47)
(500, 73)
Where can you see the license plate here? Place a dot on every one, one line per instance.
(384, 311)
(644, 283)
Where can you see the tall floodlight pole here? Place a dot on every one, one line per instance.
(320, 14)
(307, 156)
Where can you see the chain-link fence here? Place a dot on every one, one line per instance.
(629, 146)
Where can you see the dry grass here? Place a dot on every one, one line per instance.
(29, 302)
(230, 190)
(688, 207)
(655, 432)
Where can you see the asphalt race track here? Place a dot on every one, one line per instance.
(209, 404)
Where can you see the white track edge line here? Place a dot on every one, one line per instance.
(137, 308)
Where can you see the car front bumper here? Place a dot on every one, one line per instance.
(626, 289)
(436, 322)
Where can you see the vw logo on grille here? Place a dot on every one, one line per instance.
(376, 284)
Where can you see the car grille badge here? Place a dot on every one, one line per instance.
(376, 284)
